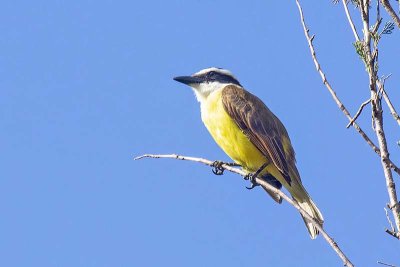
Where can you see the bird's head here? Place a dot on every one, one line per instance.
(207, 81)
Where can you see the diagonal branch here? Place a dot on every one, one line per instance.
(381, 86)
(262, 182)
(346, 9)
(390, 10)
(391, 107)
(358, 112)
(333, 93)
(386, 264)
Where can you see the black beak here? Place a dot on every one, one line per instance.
(188, 80)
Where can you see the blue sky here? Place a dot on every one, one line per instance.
(87, 85)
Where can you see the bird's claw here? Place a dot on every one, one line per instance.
(252, 180)
(217, 168)
(252, 186)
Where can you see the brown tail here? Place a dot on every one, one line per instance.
(304, 200)
(299, 195)
(309, 206)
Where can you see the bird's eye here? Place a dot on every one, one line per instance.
(211, 74)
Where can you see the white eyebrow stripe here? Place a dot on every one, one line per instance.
(222, 71)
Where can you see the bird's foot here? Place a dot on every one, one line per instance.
(217, 168)
(253, 175)
(252, 178)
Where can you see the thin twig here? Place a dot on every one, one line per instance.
(386, 264)
(358, 112)
(390, 10)
(333, 93)
(392, 230)
(389, 220)
(381, 86)
(266, 185)
(346, 9)
(391, 107)
(394, 167)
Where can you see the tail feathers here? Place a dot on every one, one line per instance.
(309, 206)
(301, 197)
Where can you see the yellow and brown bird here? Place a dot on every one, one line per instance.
(244, 127)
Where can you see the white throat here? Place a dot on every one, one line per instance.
(203, 90)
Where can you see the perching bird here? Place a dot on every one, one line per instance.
(244, 127)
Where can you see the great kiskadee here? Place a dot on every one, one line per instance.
(250, 134)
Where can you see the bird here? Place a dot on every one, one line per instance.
(251, 135)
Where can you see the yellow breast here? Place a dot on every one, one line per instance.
(228, 135)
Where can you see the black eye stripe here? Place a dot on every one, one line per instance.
(214, 76)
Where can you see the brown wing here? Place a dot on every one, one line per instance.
(260, 125)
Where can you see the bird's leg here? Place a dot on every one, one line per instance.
(253, 175)
(217, 168)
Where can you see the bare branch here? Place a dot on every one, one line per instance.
(388, 218)
(381, 86)
(262, 182)
(390, 10)
(386, 264)
(360, 109)
(377, 115)
(350, 20)
(391, 107)
(333, 93)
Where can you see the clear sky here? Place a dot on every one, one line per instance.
(87, 85)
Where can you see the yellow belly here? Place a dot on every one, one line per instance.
(228, 135)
